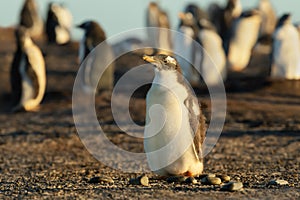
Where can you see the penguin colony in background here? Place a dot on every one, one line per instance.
(161, 36)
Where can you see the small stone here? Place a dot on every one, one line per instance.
(211, 181)
(224, 178)
(211, 175)
(176, 179)
(141, 180)
(101, 179)
(144, 180)
(191, 180)
(278, 182)
(232, 186)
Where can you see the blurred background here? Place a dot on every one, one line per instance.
(117, 16)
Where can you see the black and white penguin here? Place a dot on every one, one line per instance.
(160, 38)
(28, 74)
(172, 139)
(244, 37)
(95, 35)
(213, 63)
(58, 24)
(30, 18)
(269, 18)
(186, 47)
(224, 17)
(286, 50)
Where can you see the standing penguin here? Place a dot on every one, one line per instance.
(179, 139)
(58, 24)
(94, 35)
(286, 50)
(160, 38)
(28, 74)
(223, 18)
(214, 58)
(30, 18)
(269, 18)
(244, 37)
(187, 49)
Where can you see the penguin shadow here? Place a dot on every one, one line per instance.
(6, 103)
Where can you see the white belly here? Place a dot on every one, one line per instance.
(174, 141)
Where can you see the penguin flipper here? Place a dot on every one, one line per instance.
(197, 124)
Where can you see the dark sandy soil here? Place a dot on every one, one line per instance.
(43, 157)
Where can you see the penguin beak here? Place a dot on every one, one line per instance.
(149, 59)
(153, 61)
(79, 26)
(181, 15)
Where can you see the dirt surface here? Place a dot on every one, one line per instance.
(43, 157)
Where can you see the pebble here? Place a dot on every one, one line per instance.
(101, 179)
(224, 178)
(278, 182)
(211, 180)
(176, 179)
(232, 186)
(141, 180)
(211, 175)
(191, 180)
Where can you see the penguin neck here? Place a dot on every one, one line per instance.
(27, 42)
(166, 78)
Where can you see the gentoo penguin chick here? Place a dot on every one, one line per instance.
(28, 74)
(58, 24)
(159, 38)
(268, 17)
(244, 37)
(94, 35)
(30, 18)
(286, 50)
(214, 59)
(185, 46)
(181, 135)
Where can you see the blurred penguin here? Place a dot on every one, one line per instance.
(214, 58)
(269, 18)
(196, 11)
(186, 48)
(224, 18)
(286, 50)
(58, 24)
(28, 73)
(243, 39)
(161, 38)
(30, 18)
(94, 35)
(187, 45)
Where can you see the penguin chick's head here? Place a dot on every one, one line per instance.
(163, 62)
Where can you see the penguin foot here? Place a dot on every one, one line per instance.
(18, 108)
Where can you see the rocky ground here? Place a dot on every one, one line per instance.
(43, 157)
